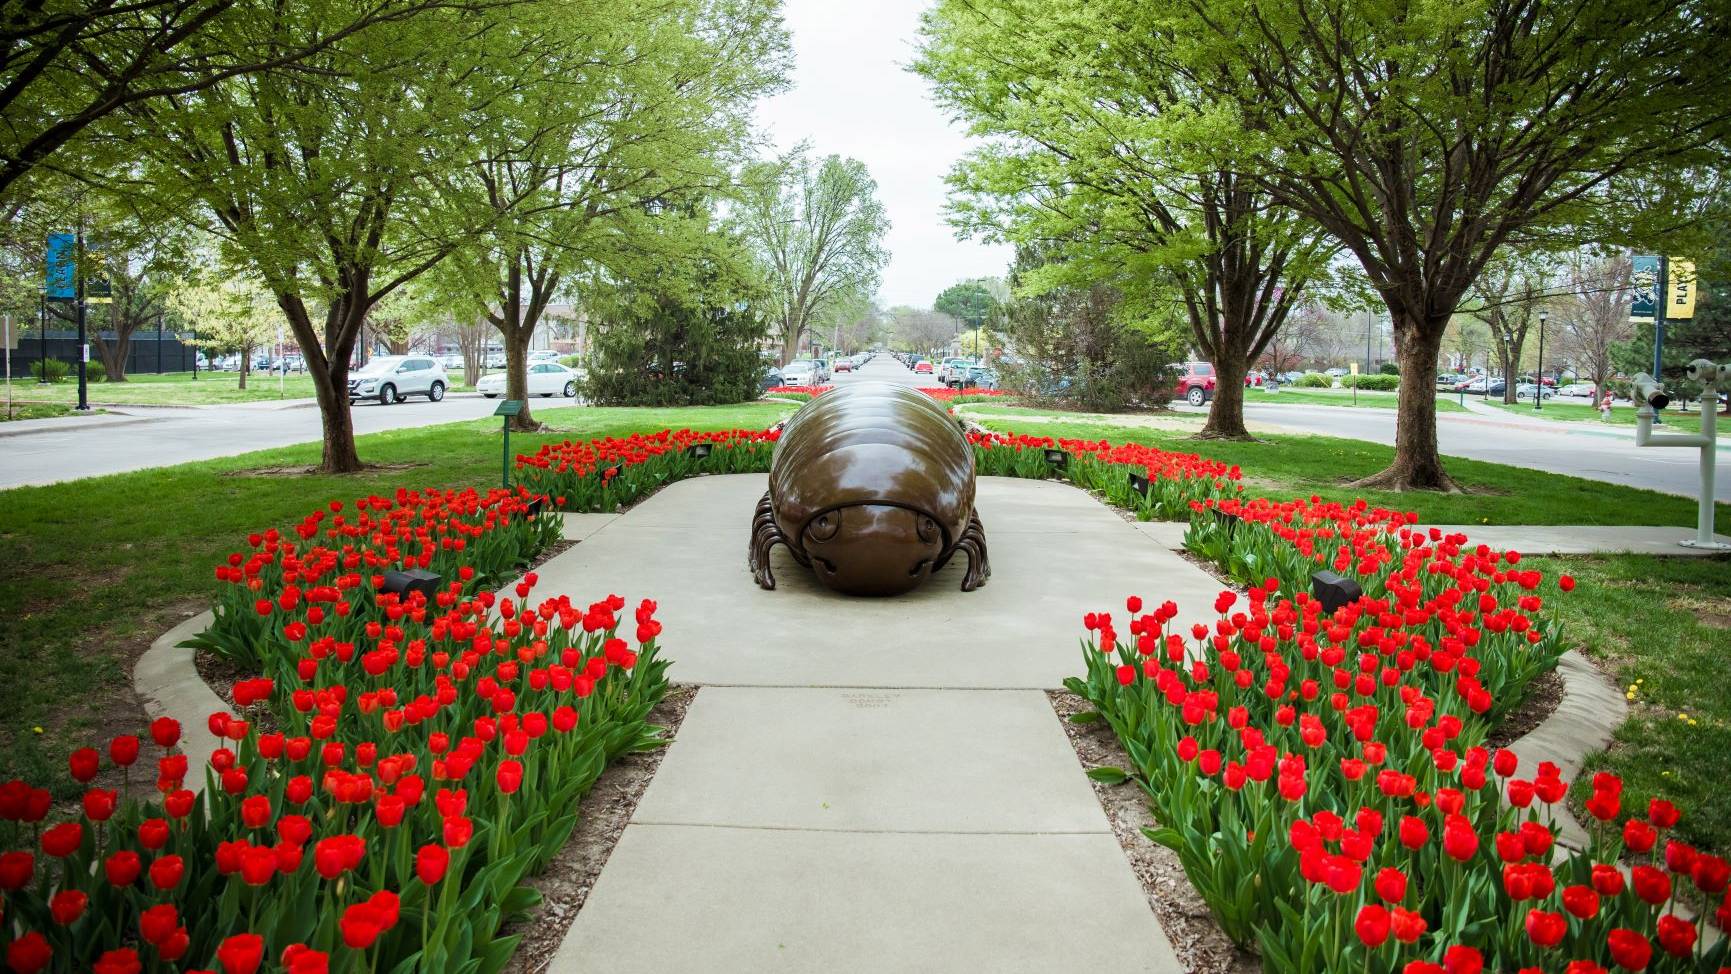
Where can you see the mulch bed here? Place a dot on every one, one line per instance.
(1543, 696)
(1202, 947)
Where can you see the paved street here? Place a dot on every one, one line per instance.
(1578, 449)
(139, 438)
(164, 437)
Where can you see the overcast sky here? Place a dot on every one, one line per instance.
(853, 96)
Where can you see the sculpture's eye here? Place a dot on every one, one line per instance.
(825, 527)
(928, 529)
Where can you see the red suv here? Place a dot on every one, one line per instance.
(1196, 385)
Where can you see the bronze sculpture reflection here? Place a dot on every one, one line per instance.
(872, 488)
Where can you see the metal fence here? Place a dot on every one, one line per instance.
(145, 354)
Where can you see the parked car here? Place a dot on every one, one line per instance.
(770, 378)
(1577, 390)
(394, 378)
(799, 372)
(923, 367)
(1196, 385)
(820, 371)
(1526, 389)
(546, 379)
(1449, 381)
(1336, 372)
(974, 377)
(843, 365)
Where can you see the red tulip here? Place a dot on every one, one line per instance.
(67, 906)
(16, 868)
(63, 840)
(1676, 936)
(1391, 884)
(361, 926)
(84, 763)
(1650, 884)
(458, 831)
(1639, 836)
(123, 867)
(165, 731)
(1407, 925)
(1607, 880)
(100, 804)
(1546, 929)
(153, 833)
(1372, 925)
(1581, 901)
(301, 959)
(1461, 959)
(158, 923)
(123, 750)
(1711, 874)
(1629, 950)
(29, 953)
(122, 961)
(165, 873)
(431, 862)
(242, 953)
(1662, 813)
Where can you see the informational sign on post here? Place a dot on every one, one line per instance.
(86, 351)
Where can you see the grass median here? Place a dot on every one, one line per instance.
(92, 570)
(179, 389)
(1367, 399)
(1622, 414)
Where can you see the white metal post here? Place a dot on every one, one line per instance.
(1707, 441)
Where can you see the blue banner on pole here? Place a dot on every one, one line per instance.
(1644, 285)
(61, 276)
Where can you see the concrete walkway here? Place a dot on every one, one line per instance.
(870, 785)
(1583, 539)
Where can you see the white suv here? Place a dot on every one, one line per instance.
(394, 378)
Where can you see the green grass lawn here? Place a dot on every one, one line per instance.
(92, 571)
(1291, 465)
(1298, 396)
(1661, 628)
(48, 410)
(178, 389)
(1622, 414)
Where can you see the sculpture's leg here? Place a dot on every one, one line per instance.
(973, 543)
(764, 535)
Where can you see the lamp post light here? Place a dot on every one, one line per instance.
(42, 339)
(1539, 393)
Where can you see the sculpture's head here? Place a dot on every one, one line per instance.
(872, 549)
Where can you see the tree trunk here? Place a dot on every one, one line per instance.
(245, 364)
(517, 376)
(332, 385)
(789, 347)
(1511, 357)
(1416, 464)
(1226, 414)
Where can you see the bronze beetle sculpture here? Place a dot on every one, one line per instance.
(872, 487)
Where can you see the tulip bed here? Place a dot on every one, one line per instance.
(1148, 481)
(609, 473)
(606, 474)
(386, 783)
(1324, 780)
(311, 579)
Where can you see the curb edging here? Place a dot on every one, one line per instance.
(167, 681)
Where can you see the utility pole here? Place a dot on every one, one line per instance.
(1661, 291)
(1367, 314)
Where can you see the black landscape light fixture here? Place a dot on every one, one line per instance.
(507, 409)
(1139, 483)
(698, 451)
(420, 580)
(533, 508)
(1225, 519)
(1334, 591)
(1058, 458)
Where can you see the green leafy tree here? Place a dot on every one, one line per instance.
(636, 106)
(231, 313)
(1089, 150)
(324, 178)
(684, 333)
(967, 301)
(817, 227)
(68, 67)
(1506, 298)
(1424, 139)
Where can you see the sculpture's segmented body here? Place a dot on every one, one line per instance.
(872, 487)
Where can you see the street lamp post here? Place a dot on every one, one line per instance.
(1367, 317)
(42, 340)
(1539, 393)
